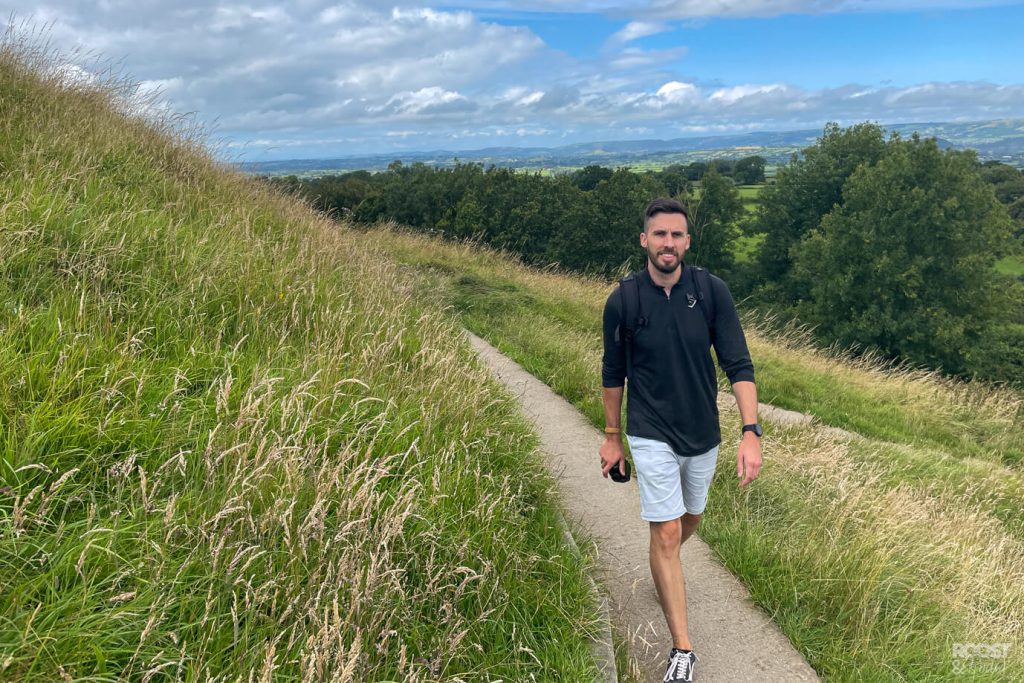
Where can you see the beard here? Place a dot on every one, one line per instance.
(668, 270)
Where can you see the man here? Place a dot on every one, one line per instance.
(672, 413)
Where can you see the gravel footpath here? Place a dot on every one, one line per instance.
(733, 638)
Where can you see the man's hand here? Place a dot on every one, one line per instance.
(612, 454)
(748, 459)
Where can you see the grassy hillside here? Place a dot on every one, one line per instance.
(236, 442)
(876, 554)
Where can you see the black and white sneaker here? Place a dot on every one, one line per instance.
(680, 666)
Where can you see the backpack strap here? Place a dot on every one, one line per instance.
(702, 283)
(632, 316)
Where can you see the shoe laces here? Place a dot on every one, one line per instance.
(679, 666)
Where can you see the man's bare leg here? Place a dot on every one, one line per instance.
(690, 524)
(667, 570)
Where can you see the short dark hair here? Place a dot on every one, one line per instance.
(665, 205)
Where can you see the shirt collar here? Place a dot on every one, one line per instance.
(646, 275)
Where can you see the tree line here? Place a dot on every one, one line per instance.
(585, 221)
(879, 243)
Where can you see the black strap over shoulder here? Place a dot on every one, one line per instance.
(632, 313)
(702, 283)
(634, 319)
(632, 316)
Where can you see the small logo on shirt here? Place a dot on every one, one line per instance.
(691, 300)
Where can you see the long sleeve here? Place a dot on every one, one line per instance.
(730, 344)
(613, 364)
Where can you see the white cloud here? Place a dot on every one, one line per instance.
(674, 91)
(306, 75)
(339, 13)
(261, 66)
(740, 92)
(425, 99)
(533, 98)
(661, 10)
(696, 9)
(638, 29)
(238, 17)
(635, 58)
(70, 75)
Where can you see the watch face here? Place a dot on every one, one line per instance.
(756, 428)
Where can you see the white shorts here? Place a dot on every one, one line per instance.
(670, 484)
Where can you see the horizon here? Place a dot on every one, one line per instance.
(440, 150)
(275, 82)
(477, 150)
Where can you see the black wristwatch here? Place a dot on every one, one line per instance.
(756, 428)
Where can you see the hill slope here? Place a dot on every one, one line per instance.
(235, 442)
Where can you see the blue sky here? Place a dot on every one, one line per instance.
(816, 51)
(319, 79)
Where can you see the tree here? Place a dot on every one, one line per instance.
(696, 170)
(715, 219)
(571, 225)
(1016, 210)
(803, 192)
(674, 179)
(1009, 191)
(906, 264)
(995, 172)
(723, 166)
(749, 170)
(469, 217)
(588, 177)
(620, 202)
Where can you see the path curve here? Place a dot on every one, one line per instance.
(734, 639)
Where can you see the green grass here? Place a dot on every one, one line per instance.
(1011, 265)
(875, 555)
(749, 196)
(238, 442)
(745, 247)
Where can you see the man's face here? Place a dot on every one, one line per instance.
(666, 240)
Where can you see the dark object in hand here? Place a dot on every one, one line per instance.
(616, 475)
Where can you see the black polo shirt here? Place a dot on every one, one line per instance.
(673, 389)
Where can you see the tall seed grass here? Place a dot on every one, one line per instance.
(876, 553)
(235, 441)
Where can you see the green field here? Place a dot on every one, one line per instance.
(745, 247)
(1011, 265)
(749, 195)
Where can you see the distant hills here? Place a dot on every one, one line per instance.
(1001, 139)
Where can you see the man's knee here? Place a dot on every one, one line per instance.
(689, 525)
(667, 536)
(690, 519)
